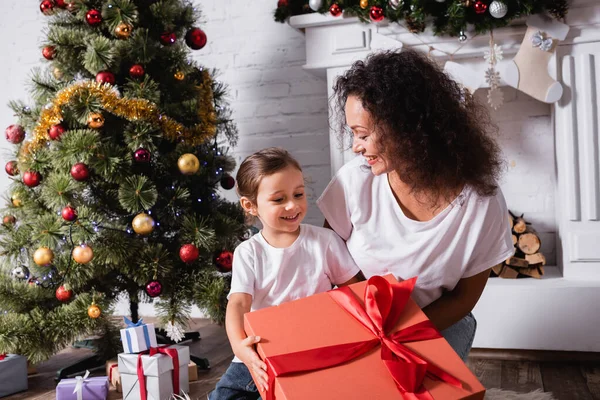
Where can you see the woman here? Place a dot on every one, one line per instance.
(422, 199)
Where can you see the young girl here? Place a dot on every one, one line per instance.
(285, 261)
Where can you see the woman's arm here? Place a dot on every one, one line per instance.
(456, 304)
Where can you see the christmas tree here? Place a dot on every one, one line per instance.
(117, 165)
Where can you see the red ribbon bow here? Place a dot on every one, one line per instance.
(140, 368)
(383, 305)
(2, 356)
(110, 371)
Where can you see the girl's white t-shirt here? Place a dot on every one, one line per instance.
(466, 238)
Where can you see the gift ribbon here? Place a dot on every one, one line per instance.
(171, 352)
(383, 305)
(2, 356)
(110, 372)
(79, 381)
(130, 324)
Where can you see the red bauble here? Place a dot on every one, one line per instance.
(195, 38)
(168, 38)
(80, 172)
(480, 7)
(48, 52)
(15, 134)
(141, 156)
(9, 220)
(60, 3)
(47, 7)
(93, 17)
(376, 14)
(335, 10)
(282, 3)
(11, 168)
(154, 288)
(56, 131)
(227, 182)
(105, 77)
(63, 294)
(69, 213)
(224, 261)
(189, 253)
(32, 178)
(136, 71)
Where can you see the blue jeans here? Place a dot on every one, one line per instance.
(236, 384)
(460, 335)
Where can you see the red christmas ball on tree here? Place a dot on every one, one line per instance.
(282, 3)
(376, 14)
(80, 172)
(224, 261)
(47, 7)
(63, 294)
(105, 77)
(11, 168)
(136, 71)
(153, 288)
(15, 134)
(141, 156)
(168, 38)
(56, 131)
(48, 52)
(480, 7)
(227, 182)
(195, 38)
(189, 253)
(69, 213)
(32, 178)
(93, 17)
(60, 3)
(9, 220)
(335, 10)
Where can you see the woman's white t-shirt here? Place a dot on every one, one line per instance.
(468, 237)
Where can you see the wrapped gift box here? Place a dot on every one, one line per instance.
(192, 371)
(112, 371)
(158, 370)
(83, 388)
(138, 337)
(13, 374)
(304, 334)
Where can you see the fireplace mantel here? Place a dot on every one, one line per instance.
(558, 312)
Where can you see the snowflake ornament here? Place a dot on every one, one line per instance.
(492, 77)
(494, 54)
(175, 332)
(495, 98)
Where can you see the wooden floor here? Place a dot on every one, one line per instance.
(569, 376)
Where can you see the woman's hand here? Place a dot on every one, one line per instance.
(244, 350)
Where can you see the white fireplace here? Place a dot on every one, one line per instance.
(553, 176)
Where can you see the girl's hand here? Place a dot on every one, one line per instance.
(245, 352)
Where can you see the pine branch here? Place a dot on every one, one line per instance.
(99, 54)
(137, 193)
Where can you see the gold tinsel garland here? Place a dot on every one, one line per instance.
(129, 109)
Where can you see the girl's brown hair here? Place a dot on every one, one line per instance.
(258, 165)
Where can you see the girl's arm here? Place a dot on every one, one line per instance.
(242, 345)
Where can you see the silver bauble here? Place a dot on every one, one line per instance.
(395, 4)
(462, 37)
(440, 1)
(315, 5)
(498, 9)
(20, 273)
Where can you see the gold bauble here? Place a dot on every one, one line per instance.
(82, 254)
(57, 72)
(16, 200)
(364, 4)
(43, 256)
(94, 311)
(123, 30)
(188, 164)
(95, 120)
(179, 75)
(143, 224)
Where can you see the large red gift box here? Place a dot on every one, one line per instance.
(331, 346)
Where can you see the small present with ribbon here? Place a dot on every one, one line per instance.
(137, 337)
(192, 371)
(155, 374)
(13, 374)
(83, 388)
(114, 377)
(370, 335)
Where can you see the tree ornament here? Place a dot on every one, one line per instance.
(376, 14)
(188, 253)
(49, 52)
(227, 182)
(498, 9)
(143, 224)
(16, 200)
(72, 7)
(47, 7)
(188, 164)
(20, 273)
(175, 331)
(80, 172)
(195, 38)
(69, 213)
(224, 261)
(82, 254)
(480, 7)
(57, 73)
(395, 4)
(440, 1)
(282, 3)
(11, 168)
(315, 5)
(335, 10)
(15, 134)
(141, 156)
(43, 256)
(153, 288)
(105, 77)
(462, 37)
(9, 220)
(95, 120)
(168, 38)
(63, 294)
(179, 75)
(467, 3)
(136, 71)
(60, 3)
(94, 311)
(93, 17)
(364, 4)
(123, 30)
(32, 178)
(56, 131)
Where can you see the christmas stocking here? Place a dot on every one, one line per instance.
(528, 71)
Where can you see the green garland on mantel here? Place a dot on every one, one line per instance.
(448, 17)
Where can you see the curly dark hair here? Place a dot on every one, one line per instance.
(433, 132)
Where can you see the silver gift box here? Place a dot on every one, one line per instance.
(13, 374)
